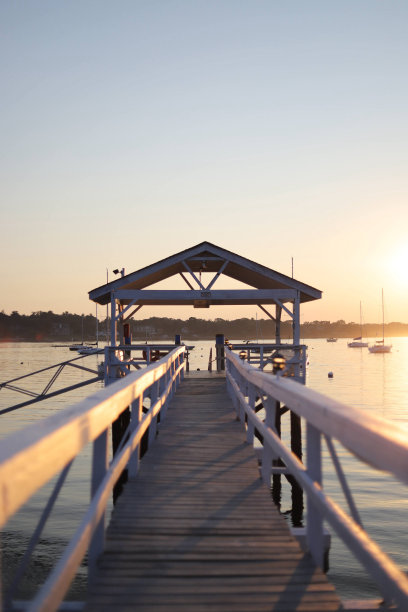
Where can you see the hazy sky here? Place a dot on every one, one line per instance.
(131, 130)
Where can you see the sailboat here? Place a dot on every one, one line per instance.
(89, 350)
(358, 342)
(380, 346)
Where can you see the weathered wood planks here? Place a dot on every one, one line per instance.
(197, 530)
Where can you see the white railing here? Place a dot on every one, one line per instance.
(31, 457)
(263, 355)
(378, 442)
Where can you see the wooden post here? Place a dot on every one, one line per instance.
(220, 351)
(120, 425)
(127, 338)
(120, 326)
(267, 455)
(154, 393)
(250, 425)
(113, 319)
(135, 419)
(296, 319)
(118, 431)
(276, 478)
(99, 469)
(314, 531)
(278, 324)
(295, 422)
(297, 491)
(261, 358)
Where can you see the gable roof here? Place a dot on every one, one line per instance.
(213, 257)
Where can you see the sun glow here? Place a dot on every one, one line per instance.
(398, 265)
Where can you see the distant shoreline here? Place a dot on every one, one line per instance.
(68, 328)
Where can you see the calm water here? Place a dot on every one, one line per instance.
(376, 383)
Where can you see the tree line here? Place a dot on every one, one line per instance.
(66, 327)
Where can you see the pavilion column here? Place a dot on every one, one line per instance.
(119, 328)
(296, 319)
(113, 319)
(278, 316)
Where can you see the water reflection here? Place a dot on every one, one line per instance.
(376, 383)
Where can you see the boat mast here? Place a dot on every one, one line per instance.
(361, 323)
(382, 300)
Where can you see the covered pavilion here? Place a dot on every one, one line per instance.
(263, 287)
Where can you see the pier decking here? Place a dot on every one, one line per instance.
(197, 529)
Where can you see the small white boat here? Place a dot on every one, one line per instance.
(331, 339)
(380, 346)
(358, 342)
(88, 350)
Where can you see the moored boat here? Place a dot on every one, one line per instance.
(358, 342)
(380, 346)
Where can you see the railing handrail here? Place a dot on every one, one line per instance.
(375, 440)
(31, 457)
(355, 429)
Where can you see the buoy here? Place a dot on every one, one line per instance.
(330, 375)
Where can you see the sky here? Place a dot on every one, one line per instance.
(132, 130)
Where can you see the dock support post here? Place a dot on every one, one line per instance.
(295, 423)
(276, 478)
(251, 403)
(99, 469)
(314, 531)
(297, 491)
(135, 418)
(267, 454)
(220, 351)
(127, 336)
(118, 431)
(154, 393)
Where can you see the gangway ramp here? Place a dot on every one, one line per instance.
(197, 529)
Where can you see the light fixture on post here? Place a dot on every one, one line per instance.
(278, 363)
(122, 271)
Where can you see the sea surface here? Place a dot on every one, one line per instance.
(376, 383)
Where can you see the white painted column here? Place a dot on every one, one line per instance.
(296, 319)
(296, 332)
(250, 425)
(154, 394)
(267, 453)
(314, 528)
(113, 319)
(99, 469)
(136, 415)
(278, 317)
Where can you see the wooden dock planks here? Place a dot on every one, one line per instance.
(197, 530)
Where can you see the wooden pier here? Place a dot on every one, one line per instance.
(197, 529)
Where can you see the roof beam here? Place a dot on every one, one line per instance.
(220, 271)
(266, 312)
(187, 267)
(134, 311)
(217, 297)
(186, 281)
(279, 303)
